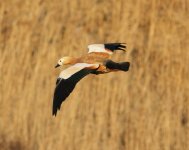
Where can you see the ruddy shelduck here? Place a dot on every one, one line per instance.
(97, 61)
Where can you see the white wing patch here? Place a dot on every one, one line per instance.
(98, 48)
(65, 74)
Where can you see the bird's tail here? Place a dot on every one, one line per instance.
(124, 66)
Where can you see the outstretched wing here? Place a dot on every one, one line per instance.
(106, 48)
(67, 80)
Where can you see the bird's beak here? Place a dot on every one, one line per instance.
(57, 65)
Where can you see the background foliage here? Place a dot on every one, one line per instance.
(145, 108)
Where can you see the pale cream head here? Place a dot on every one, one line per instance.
(63, 61)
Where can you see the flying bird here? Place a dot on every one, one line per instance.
(96, 61)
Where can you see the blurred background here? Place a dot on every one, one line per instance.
(146, 108)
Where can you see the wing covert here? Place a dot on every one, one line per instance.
(106, 48)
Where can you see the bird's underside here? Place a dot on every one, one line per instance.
(95, 62)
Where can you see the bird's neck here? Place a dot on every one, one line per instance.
(71, 60)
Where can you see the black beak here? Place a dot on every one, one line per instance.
(57, 65)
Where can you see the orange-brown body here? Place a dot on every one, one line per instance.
(92, 58)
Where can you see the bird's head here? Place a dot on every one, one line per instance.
(63, 61)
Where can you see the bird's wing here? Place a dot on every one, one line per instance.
(106, 48)
(67, 80)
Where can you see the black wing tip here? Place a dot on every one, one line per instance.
(54, 112)
(56, 108)
(116, 46)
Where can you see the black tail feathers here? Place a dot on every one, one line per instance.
(124, 66)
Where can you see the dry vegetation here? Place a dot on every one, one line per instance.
(146, 108)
